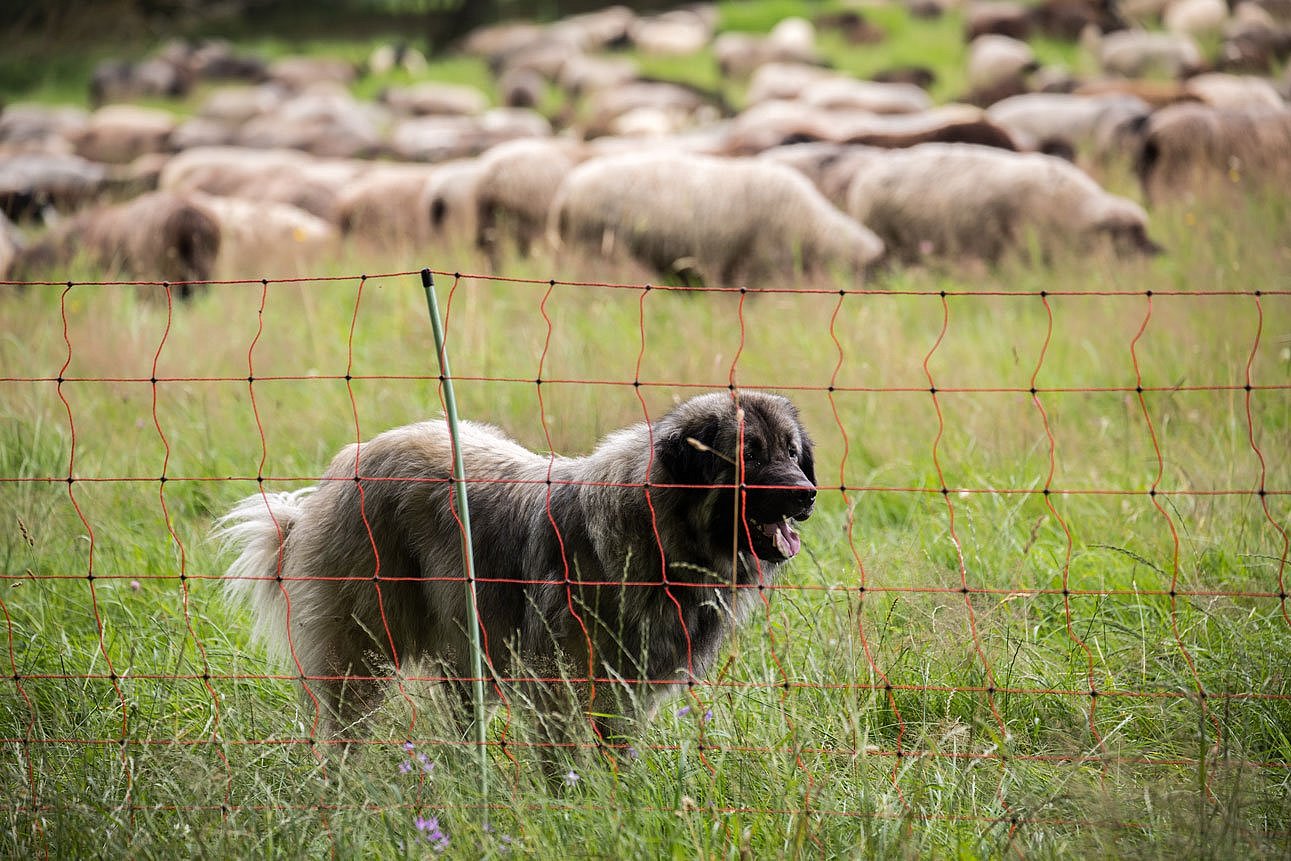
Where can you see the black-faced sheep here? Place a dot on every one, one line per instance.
(732, 221)
(156, 236)
(963, 200)
(1189, 148)
(518, 181)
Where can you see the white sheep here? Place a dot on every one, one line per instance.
(733, 221)
(964, 200)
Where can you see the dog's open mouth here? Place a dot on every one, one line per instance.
(775, 540)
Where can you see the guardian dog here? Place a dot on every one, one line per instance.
(634, 562)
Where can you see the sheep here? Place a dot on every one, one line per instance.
(1195, 17)
(775, 123)
(829, 166)
(1139, 54)
(30, 183)
(732, 221)
(384, 206)
(964, 200)
(259, 233)
(284, 176)
(118, 134)
(1046, 120)
(1221, 90)
(1188, 148)
(849, 94)
(997, 68)
(431, 98)
(793, 40)
(325, 120)
(33, 128)
(11, 244)
(443, 138)
(156, 236)
(449, 202)
(298, 73)
(518, 181)
(680, 32)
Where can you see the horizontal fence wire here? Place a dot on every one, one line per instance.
(855, 581)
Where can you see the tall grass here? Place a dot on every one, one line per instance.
(799, 756)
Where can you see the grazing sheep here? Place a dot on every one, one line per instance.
(1220, 90)
(961, 200)
(30, 183)
(284, 176)
(998, 18)
(325, 120)
(11, 244)
(518, 181)
(1195, 17)
(431, 98)
(384, 206)
(443, 138)
(679, 33)
(257, 234)
(118, 134)
(840, 93)
(772, 124)
(689, 105)
(33, 128)
(450, 204)
(1042, 121)
(829, 166)
(1190, 148)
(733, 221)
(1139, 54)
(791, 41)
(299, 73)
(997, 68)
(156, 236)
(123, 81)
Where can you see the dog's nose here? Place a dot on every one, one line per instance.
(804, 496)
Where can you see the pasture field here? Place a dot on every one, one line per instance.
(1100, 670)
(143, 724)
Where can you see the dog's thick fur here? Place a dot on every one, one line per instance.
(636, 551)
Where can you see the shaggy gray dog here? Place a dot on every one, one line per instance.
(628, 561)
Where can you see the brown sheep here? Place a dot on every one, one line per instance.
(1191, 147)
(731, 221)
(156, 236)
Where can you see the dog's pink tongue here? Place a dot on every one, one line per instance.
(785, 538)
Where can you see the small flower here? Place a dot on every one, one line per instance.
(422, 758)
(683, 711)
(134, 585)
(405, 767)
(572, 778)
(428, 767)
(408, 746)
(432, 833)
(708, 715)
(631, 752)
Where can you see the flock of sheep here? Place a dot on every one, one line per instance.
(818, 171)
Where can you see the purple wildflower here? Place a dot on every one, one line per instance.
(683, 711)
(708, 715)
(422, 758)
(432, 833)
(134, 585)
(408, 746)
(405, 767)
(572, 778)
(631, 752)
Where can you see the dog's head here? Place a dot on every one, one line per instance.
(715, 445)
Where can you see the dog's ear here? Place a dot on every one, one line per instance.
(690, 453)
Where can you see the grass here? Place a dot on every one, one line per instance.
(807, 769)
(139, 721)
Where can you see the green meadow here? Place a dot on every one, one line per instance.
(1045, 623)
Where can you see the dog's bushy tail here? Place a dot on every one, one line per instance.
(256, 530)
